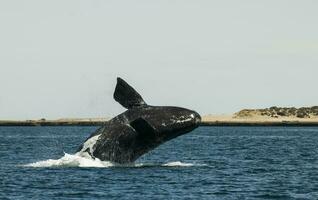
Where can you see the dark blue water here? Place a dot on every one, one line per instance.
(215, 163)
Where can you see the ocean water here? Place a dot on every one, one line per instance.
(208, 163)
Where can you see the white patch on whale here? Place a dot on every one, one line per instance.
(89, 144)
(181, 120)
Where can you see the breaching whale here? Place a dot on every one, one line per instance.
(138, 130)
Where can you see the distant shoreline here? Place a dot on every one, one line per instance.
(259, 123)
(51, 123)
(206, 121)
(273, 116)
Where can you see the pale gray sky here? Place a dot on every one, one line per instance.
(61, 58)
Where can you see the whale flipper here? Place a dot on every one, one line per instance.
(127, 96)
(145, 131)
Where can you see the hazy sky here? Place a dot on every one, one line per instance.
(61, 58)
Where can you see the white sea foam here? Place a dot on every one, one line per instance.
(69, 160)
(178, 164)
(78, 160)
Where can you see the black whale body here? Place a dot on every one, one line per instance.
(138, 130)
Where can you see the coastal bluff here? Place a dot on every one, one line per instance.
(278, 112)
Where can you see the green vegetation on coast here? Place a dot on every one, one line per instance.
(276, 112)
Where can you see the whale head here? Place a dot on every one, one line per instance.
(164, 122)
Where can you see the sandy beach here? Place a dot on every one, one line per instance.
(256, 120)
(207, 120)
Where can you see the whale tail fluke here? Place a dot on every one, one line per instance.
(127, 96)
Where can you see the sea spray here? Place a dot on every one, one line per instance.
(76, 160)
(69, 160)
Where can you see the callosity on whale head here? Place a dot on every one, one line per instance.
(138, 130)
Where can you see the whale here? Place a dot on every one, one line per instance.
(138, 130)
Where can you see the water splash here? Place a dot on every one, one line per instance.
(178, 164)
(69, 160)
(78, 160)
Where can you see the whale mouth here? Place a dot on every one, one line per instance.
(197, 118)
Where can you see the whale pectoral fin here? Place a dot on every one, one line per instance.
(126, 95)
(144, 129)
